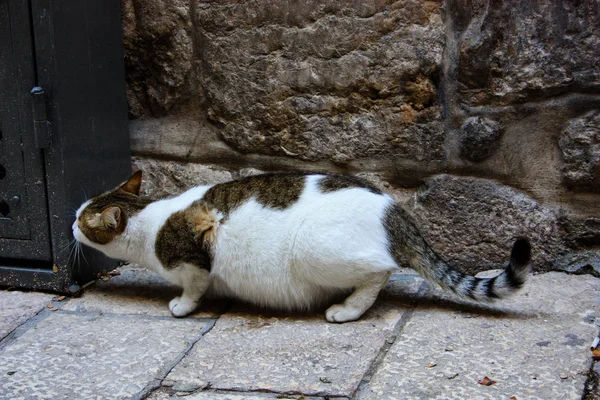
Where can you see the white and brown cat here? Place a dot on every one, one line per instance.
(288, 241)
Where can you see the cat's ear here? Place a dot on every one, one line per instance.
(133, 184)
(111, 217)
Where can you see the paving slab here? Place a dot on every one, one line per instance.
(136, 291)
(91, 356)
(17, 307)
(246, 351)
(538, 347)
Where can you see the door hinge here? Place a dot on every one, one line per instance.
(41, 126)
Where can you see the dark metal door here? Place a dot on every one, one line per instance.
(24, 219)
(73, 50)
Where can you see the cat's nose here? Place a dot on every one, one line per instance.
(74, 226)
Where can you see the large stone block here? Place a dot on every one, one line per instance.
(91, 356)
(520, 51)
(325, 80)
(473, 222)
(313, 80)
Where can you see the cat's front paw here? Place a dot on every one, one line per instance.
(181, 307)
(342, 313)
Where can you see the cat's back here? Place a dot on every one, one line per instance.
(275, 218)
(284, 191)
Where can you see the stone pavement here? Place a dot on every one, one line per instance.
(118, 341)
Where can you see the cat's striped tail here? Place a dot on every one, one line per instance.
(405, 239)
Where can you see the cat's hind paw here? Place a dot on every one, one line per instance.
(342, 313)
(180, 307)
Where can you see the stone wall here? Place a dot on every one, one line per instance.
(481, 117)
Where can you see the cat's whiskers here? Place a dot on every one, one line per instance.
(69, 211)
(71, 258)
(67, 246)
(85, 195)
(80, 254)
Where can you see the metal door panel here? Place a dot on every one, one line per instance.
(74, 51)
(24, 227)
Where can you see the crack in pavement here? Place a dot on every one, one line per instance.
(156, 383)
(391, 339)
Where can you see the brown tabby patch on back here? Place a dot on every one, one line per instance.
(129, 204)
(278, 191)
(332, 183)
(187, 237)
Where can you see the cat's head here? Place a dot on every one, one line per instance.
(102, 220)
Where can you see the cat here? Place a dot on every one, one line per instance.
(290, 241)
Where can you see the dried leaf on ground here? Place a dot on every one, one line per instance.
(105, 275)
(596, 354)
(486, 381)
(431, 365)
(61, 298)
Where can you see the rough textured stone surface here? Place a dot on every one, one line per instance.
(159, 51)
(473, 223)
(581, 232)
(327, 80)
(17, 307)
(583, 262)
(292, 353)
(136, 291)
(165, 179)
(532, 352)
(479, 138)
(69, 356)
(520, 51)
(580, 149)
